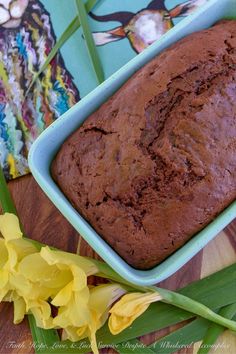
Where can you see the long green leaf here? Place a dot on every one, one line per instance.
(70, 30)
(134, 346)
(42, 338)
(92, 50)
(198, 330)
(182, 337)
(214, 331)
(5, 196)
(178, 339)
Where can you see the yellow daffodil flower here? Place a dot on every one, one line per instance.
(12, 249)
(128, 308)
(15, 287)
(100, 299)
(36, 279)
(73, 296)
(46, 280)
(55, 275)
(64, 276)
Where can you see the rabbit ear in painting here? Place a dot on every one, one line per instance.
(114, 35)
(186, 8)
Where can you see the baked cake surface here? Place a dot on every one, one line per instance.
(157, 162)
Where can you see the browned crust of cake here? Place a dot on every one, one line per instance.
(157, 162)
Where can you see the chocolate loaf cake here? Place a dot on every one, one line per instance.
(157, 162)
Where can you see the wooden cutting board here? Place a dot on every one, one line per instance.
(43, 222)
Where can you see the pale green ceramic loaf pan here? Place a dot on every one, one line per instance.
(46, 146)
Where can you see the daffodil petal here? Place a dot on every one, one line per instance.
(71, 334)
(16, 251)
(76, 313)
(23, 248)
(82, 297)
(3, 253)
(128, 308)
(4, 277)
(41, 311)
(36, 269)
(64, 295)
(103, 296)
(129, 304)
(75, 334)
(18, 282)
(93, 342)
(117, 323)
(12, 256)
(19, 310)
(3, 294)
(10, 227)
(80, 278)
(60, 257)
(82, 332)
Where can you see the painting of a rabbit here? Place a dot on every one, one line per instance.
(26, 38)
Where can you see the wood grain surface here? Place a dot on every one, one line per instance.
(43, 222)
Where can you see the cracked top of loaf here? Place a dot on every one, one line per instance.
(157, 162)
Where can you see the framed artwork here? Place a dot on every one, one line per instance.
(28, 31)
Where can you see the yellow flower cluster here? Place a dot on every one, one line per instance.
(36, 279)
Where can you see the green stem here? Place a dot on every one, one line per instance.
(195, 307)
(92, 50)
(105, 271)
(215, 330)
